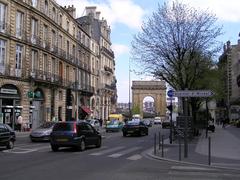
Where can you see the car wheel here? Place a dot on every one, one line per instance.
(124, 134)
(82, 146)
(99, 143)
(146, 133)
(107, 131)
(10, 144)
(54, 148)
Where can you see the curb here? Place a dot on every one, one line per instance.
(150, 153)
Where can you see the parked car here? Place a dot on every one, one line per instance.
(114, 125)
(147, 122)
(7, 136)
(74, 134)
(134, 127)
(157, 120)
(94, 122)
(42, 133)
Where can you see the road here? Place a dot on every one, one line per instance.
(118, 158)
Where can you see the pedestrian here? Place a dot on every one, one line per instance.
(19, 122)
(101, 121)
(223, 123)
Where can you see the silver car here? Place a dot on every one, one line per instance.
(42, 133)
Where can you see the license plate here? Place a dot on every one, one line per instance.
(130, 131)
(62, 140)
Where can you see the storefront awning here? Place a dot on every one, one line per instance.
(86, 109)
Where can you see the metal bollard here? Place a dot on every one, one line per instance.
(209, 151)
(162, 145)
(159, 140)
(179, 141)
(155, 144)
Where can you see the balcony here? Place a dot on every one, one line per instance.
(7, 71)
(108, 69)
(108, 52)
(34, 39)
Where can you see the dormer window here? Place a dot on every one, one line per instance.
(46, 7)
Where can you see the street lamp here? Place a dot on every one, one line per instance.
(129, 89)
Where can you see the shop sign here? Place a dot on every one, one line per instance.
(8, 91)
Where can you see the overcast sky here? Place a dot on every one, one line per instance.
(126, 16)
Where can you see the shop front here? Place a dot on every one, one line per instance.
(10, 105)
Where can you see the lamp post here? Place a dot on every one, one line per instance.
(129, 89)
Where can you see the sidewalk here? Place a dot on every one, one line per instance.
(225, 149)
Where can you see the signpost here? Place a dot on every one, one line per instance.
(185, 94)
(170, 93)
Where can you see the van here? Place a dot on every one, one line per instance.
(157, 120)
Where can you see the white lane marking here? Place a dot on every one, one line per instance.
(135, 157)
(19, 151)
(116, 155)
(225, 164)
(107, 151)
(192, 168)
(194, 174)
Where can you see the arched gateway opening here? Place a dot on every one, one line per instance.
(154, 89)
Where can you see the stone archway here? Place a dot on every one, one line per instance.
(155, 89)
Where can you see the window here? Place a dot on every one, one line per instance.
(60, 96)
(45, 63)
(45, 35)
(34, 59)
(46, 7)
(2, 54)
(54, 14)
(34, 31)
(19, 58)
(68, 26)
(60, 20)
(68, 49)
(53, 65)
(60, 41)
(19, 55)
(19, 24)
(35, 3)
(74, 51)
(67, 72)
(2, 17)
(54, 38)
(74, 29)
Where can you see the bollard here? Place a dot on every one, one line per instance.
(209, 151)
(155, 144)
(159, 140)
(162, 145)
(179, 141)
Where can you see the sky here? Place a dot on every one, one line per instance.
(126, 17)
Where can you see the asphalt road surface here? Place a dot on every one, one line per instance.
(119, 158)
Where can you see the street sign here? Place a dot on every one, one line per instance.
(193, 93)
(170, 93)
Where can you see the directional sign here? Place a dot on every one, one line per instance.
(193, 93)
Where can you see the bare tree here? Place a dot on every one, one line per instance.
(177, 44)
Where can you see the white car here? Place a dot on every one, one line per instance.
(157, 120)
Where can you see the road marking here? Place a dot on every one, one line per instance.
(107, 151)
(195, 174)
(116, 155)
(192, 168)
(19, 151)
(226, 164)
(135, 157)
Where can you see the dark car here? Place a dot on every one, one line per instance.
(166, 124)
(74, 134)
(7, 136)
(42, 133)
(134, 127)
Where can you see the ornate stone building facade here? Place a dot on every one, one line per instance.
(48, 63)
(106, 97)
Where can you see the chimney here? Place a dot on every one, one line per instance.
(228, 45)
(98, 15)
(71, 10)
(91, 10)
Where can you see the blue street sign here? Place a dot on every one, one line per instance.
(170, 93)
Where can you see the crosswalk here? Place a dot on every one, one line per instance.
(129, 153)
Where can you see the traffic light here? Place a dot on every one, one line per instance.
(30, 94)
(170, 107)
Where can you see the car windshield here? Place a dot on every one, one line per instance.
(134, 122)
(47, 125)
(63, 127)
(113, 122)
